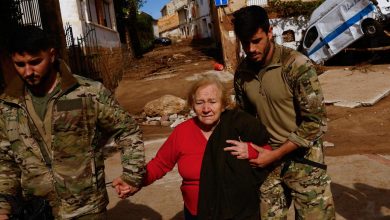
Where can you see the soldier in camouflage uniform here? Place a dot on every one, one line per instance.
(50, 122)
(280, 86)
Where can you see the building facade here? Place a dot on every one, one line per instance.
(186, 19)
(93, 40)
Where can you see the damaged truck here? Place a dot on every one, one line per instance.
(336, 24)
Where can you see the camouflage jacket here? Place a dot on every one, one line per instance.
(286, 95)
(60, 158)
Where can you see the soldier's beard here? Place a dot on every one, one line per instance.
(40, 86)
(261, 62)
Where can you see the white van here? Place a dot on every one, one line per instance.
(336, 24)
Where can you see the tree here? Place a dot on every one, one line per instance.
(126, 17)
(9, 20)
(145, 31)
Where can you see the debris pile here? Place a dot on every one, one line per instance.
(167, 110)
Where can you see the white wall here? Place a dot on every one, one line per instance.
(297, 25)
(170, 8)
(155, 30)
(201, 21)
(204, 18)
(75, 13)
(179, 3)
(71, 14)
(173, 34)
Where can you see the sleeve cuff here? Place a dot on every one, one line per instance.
(267, 147)
(252, 152)
(136, 182)
(301, 142)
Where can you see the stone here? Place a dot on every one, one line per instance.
(165, 105)
(177, 122)
(328, 144)
(165, 123)
(155, 123)
(173, 117)
(153, 118)
(164, 118)
(178, 56)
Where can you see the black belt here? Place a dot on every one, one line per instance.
(301, 160)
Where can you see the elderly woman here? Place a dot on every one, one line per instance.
(227, 187)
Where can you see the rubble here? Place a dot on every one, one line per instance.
(328, 144)
(167, 110)
(167, 120)
(165, 105)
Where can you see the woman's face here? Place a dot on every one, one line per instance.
(208, 105)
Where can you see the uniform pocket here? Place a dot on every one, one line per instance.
(69, 115)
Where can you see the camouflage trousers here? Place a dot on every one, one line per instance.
(95, 216)
(307, 187)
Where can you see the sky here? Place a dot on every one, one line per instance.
(153, 7)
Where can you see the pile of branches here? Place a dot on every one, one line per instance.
(292, 8)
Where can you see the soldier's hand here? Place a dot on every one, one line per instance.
(265, 157)
(4, 214)
(123, 189)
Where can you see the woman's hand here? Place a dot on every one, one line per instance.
(123, 189)
(238, 149)
(4, 214)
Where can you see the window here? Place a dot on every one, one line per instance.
(30, 13)
(107, 18)
(99, 12)
(92, 16)
(310, 37)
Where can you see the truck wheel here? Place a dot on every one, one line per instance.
(371, 28)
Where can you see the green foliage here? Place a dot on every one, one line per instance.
(145, 31)
(126, 7)
(126, 18)
(292, 8)
(126, 12)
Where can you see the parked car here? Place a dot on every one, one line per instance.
(163, 41)
(335, 24)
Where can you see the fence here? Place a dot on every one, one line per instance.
(257, 2)
(30, 14)
(84, 56)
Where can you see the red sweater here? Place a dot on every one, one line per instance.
(185, 146)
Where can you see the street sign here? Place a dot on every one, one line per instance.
(221, 2)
